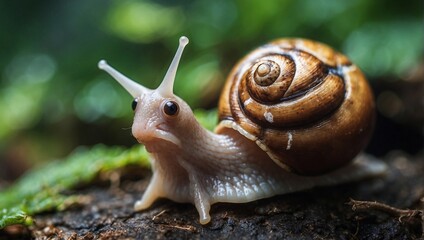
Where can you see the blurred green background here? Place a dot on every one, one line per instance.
(53, 97)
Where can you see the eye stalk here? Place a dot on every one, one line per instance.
(171, 108)
(167, 85)
(135, 89)
(134, 104)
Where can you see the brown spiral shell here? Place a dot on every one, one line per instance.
(303, 103)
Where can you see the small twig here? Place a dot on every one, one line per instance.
(368, 205)
(186, 228)
(157, 215)
(400, 213)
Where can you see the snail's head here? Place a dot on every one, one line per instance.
(159, 114)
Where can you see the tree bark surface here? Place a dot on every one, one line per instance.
(320, 213)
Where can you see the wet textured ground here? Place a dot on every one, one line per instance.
(106, 212)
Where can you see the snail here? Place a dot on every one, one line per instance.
(293, 114)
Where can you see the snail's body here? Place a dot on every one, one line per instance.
(237, 163)
(210, 168)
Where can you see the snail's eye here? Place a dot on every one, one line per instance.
(170, 108)
(134, 104)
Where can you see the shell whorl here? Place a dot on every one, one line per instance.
(296, 88)
(301, 102)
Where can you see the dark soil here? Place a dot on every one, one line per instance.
(323, 213)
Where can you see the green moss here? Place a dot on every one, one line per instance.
(42, 189)
(10, 216)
